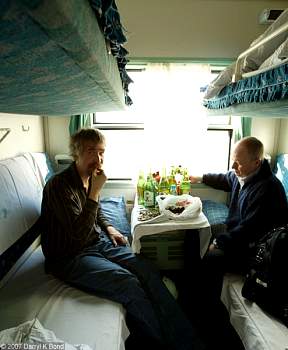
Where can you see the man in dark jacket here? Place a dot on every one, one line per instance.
(258, 203)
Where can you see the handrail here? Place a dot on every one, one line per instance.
(8, 130)
(281, 29)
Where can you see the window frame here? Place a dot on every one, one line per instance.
(140, 126)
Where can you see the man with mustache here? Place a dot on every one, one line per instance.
(82, 248)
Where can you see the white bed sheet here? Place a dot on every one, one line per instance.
(257, 329)
(75, 316)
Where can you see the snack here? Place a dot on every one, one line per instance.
(176, 209)
(147, 214)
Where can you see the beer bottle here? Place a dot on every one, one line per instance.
(140, 188)
(149, 192)
(163, 184)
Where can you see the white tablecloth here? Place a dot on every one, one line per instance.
(161, 224)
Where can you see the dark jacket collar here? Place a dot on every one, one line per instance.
(263, 173)
(74, 176)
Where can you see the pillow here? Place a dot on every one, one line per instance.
(255, 58)
(114, 208)
(224, 78)
(32, 332)
(277, 57)
(44, 163)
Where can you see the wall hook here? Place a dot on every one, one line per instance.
(25, 128)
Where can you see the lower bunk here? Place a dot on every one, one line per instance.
(27, 293)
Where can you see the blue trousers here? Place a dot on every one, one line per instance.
(117, 274)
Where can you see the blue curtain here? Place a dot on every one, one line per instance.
(79, 121)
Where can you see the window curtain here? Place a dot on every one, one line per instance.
(175, 122)
(242, 127)
(79, 121)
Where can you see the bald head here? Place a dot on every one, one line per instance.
(252, 146)
(247, 156)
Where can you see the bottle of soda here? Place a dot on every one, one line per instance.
(140, 188)
(173, 189)
(172, 181)
(149, 192)
(185, 184)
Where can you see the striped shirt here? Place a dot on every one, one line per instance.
(71, 221)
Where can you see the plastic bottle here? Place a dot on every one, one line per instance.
(171, 180)
(173, 189)
(185, 186)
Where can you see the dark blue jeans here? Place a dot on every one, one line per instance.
(117, 274)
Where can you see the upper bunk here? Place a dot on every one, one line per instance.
(256, 85)
(57, 57)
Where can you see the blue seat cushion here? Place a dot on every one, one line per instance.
(215, 212)
(114, 208)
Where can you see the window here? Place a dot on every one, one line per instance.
(150, 135)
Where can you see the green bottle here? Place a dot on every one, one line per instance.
(140, 188)
(185, 185)
(163, 184)
(149, 192)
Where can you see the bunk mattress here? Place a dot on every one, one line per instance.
(257, 329)
(263, 72)
(54, 60)
(74, 316)
(262, 94)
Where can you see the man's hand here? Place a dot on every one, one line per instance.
(116, 237)
(195, 179)
(211, 247)
(98, 179)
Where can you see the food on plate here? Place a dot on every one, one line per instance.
(147, 214)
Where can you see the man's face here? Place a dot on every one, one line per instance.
(243, 163)
(91, 157)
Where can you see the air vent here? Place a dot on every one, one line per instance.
(269, 15)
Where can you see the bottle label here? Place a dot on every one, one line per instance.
(148, 199)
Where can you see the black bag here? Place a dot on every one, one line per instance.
(267, 280)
